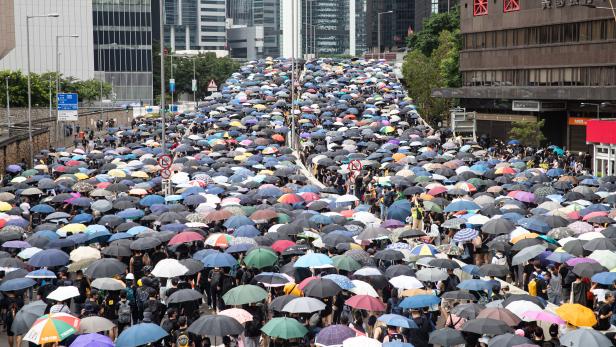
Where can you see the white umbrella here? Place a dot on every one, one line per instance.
(431, 275)
(28, 252)
(604, 257)
(406, 282)
(363, 288)
(95, 324)
(84, 253)
(169, 268)
(106, 283)
(362, 341)
(64, 293)
(519, 307)
(304, 305)
(591, 236)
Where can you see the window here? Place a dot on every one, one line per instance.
(480, 7)
(511, 5)
(434, 6)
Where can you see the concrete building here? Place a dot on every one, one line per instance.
(75, 18)
(532, 60)
(245, 42)
(7, 27)
(123, 47)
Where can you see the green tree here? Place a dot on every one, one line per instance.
(528, 133)
(427, 39)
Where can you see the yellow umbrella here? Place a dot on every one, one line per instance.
(235, 124)
(524, 236)
(5, 206)
(139, 174)
(71, 228)
(81, 176)
(259, 107)
(413, 292)
(577, 315)
(84, 253)
(117, 173)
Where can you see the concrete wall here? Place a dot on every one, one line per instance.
(16, 149)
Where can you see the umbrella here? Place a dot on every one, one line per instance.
(49, 258)
(260, 257)
(64, 293)
(397, 320)
(244, 294)
(169, 268)
(585, 337)
(365, 302)
(106, 267)
(26, 316)
(16, 284)
(313, 260)
(284, 328)
(334, 335)
(543, 316)
(52, 328)
(304, 305)
(140, 334)
(419, 301)
(218, 325)
(501, 314)
(95, 324)
(577, 315)
(184, 295)
(493, 270)
(431, 275)
(486, 326)
(107, 284)
(587, 269)
(508, 340)
(446, 337)
(321, 288)
(241, 315)
(361, 340)
(527, 254)
(92, 340)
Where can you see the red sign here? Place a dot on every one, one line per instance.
(601, 131)
(355, 165)
(165, 161)
(165, 173)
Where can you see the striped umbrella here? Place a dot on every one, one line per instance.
(52, 328)
(465, 235)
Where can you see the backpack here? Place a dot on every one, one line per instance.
(183, 340)
(532, 287)
(142, 297)
(124, 313)
(130, 294)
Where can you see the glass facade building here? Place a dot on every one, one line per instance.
(395, 26)
(123, 47)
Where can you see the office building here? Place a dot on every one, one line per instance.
(257, 20)
(532, 60)
(245, 43)
(240, 12)
(123, 47)
(196, 25)
(75, 18)
(7, 27)
(395, 25)
(426, 8)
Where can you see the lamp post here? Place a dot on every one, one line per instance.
(378, 17)
(50, 15)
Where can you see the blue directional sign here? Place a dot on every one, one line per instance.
(68, 107)
(172, 85)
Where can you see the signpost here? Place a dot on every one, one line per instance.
(165, 161)
(68, 107)
(165, 174)
(212, 87)
(194, 85)
(172, 85)
(354, 167)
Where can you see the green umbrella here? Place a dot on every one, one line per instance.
(29, 173)
(343, 262)
(259, 258)
(244, 294)
(430, 206)
(284, 328)
(248, 210)
(283, 218)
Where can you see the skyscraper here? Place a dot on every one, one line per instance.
(123, 47)
(395, 25)
(253, 28)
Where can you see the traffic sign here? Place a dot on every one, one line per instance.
(355, 166)
(212, 87)
(68, 107)
(165, 174)
(194, 85)
(165, 161)
(172, 85)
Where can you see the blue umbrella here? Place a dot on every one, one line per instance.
(513, 142)
(152, 200)
(49, 258)
(17, 284)
(94, 228)
(397, 344)
(397, 320)
(246, 231)
(474, 285)
(239, 248)
(131, 213)
(321, 219)
(534, 224)
(235, 222)
(462, 205)
(606, 278)
(465, 235)
(342, 281)
(140, 334)
(555, 172)
(48, 234)
(313, 260)
(219, 259)
(99, 236)
(399, 210)
(41, 273)
(201, 254)
(119, 236)
(560, 257)
(471, 269)
(419, 301)
(42, 208)
(136, 230)
(82, 218)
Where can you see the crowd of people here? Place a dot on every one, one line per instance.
(366, 226)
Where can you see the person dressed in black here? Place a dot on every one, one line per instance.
(181, 336)
(605, 312)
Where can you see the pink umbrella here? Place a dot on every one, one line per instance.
(239, 314)
(185, 236)
(575, 261)
(542, 316)
(594, 214)
(522, 196)
(580, 227)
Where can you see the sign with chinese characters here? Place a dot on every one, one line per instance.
(578, 121)
(547, 4)
(68, 107)
(525, 105)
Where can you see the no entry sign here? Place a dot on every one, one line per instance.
(165, 161)
(355, 166)
(165, 174)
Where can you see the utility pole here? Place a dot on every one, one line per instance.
(8, 107)
(162, 73)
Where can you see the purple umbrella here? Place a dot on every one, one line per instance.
(16, 244)
(575, 261)
(392, 223)
(13, 168)
(92, 340)
(334, 335)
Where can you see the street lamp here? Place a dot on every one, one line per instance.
(599, 106)
(58, 37)
(378, 17)
(50, 15)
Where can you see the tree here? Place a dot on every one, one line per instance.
(528, 133)
(427, 40)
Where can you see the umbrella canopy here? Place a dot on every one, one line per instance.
(334, 335)
(140, 334)
(446, 337)
(26, 316)
(52, 328)
(284, 328)
(218, 325)
(577, 315)
(95, 324)
(244, 294)
(486, 326)
(92, 340)
(585, 337)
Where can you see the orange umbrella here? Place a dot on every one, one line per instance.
(524, 236)
(577, 315)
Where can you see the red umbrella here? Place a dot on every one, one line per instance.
(309, 196)
(278, 138)
(281, 245)
(305, 282)
(290, 199)
(185, 236)
(437, 190)
(366, 302)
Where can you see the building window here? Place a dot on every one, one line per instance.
(511, 5)
(434, 6)
(480, 7)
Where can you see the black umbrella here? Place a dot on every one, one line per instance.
(498, 226)
(389, 255)
(508, 340)
(494, 270)
(446, 337)
(409, 233)
(193, 266)
(184, 295)
(399, 270)
(117, 250)
(106, 267)
(444, 264)
(280, 301)
(468, 311)
(218, 325)
(588, 269)
(575, 247)
(321, 288)
(458, 295)
(145, 243)
(600, 244)
(486, 326)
